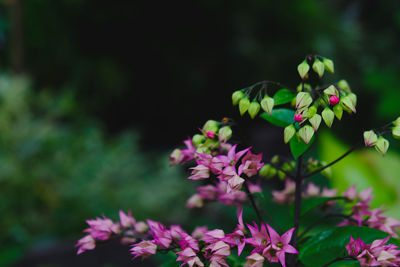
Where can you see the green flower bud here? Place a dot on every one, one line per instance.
(275, 159)
(342, 84)
(328, 116)
(211, 126)
(311, 111)
(303, 69)
(254, 108)
(370, 138)
(288, 133)
(396, 132)
(353, 98)
(198, 139)
(267, 171)
(382, 145)
(328, 65)
(331, 90)
(244, 104)
(338, 110)
(303, 100)
(236, 96)
(318, 67)
(225, 133)
(281, 175)
(348, 103)
(306, 133)
(315, 121)
(267, 104)
(397, 122)
(287, 167)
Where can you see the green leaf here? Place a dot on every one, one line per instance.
(310, 203)
(298, 147)
(283, 96)
(281, 117)
(346, 263)
(328, 245)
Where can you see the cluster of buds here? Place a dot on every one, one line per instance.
(375, 254)
(277, 167)
(319, 65)
(380, 143)
(212, 139)
(286, 195)
(362, 215)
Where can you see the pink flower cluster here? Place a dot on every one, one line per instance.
(375, 254)
(223, 170)
(363, 215)
(102, 229)
(286, 195)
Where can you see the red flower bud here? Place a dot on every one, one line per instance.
(298, 117)
(210, 134)
(333, 100)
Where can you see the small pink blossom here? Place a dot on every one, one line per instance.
(126, 220)
(232, 157)
(210, 135)
(85, 243)
(102, 229)
(195, 201)
(333, 100)
(354, 247)
(199, 232)
(237, 237)
(312, 190)
(162, 237)
(208, 192)
(251, 164)
(287, 194)
(254, 260)
(200, 172)
(259, 237)
(298, 117)
(213, 236)
(254, 188)
(235, 183)
(189, 257)
(143, 249)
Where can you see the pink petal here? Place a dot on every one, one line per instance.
(275, 238)
(286, 237)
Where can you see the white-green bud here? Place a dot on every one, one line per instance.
(328, 65)
(328, 116)
(267, 104)
(288, 133)
(370, 138)
(306, 133)
(315, 121)
(281, 175)
(236, 96)
(342, 84)
(267, 171)
(211, 126)
(198, 139)
(303, 69)
(311, 111)
(338, 110)
(348, 103)
(382, 145)
(331, 90)
(303, 100)
(254, 108)
(225, 133)
(396, 132)
(275, 159)
(318, 67)
(397, 122)
(244, 104)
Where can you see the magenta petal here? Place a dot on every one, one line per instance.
(281, 257)
(275, 238)
(286, 237)
(290, 249)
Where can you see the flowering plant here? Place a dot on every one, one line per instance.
(235, 176)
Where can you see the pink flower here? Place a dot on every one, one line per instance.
(227, 173)
(189, 257)
(251, 163)
(287, 194)
(176, 157)
(231, 198)
(350, 193)
(298, 117)
(232, 157)
(194, 201)
(312, 190)
(213, 236)
(162, 237)
(208, 192)
(143, 249)
(199, 232)
(217, 253)
(237, 237)
(200, 172)
(333, 100)
(183, 238)
(354, 247)
(254, 188)
(254, 260)
(210, 134)
(126, 220)
(102, 229)
(259, 237)
(279, 246)
(328, 192)
(141, 227)
(235, 183)
(85, 243)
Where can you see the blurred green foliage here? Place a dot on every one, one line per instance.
(58, 169)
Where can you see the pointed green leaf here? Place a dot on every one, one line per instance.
(283, 96)
(298, 147)
(281, 117)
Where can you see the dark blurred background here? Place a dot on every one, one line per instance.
(95, 94)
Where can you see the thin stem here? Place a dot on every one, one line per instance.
(333, 162)
(252, 201)
(339, 259)
(297, 200)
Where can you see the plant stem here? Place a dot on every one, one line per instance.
(297, 200)
(339, 259)
(333, 162)
(252, 201)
